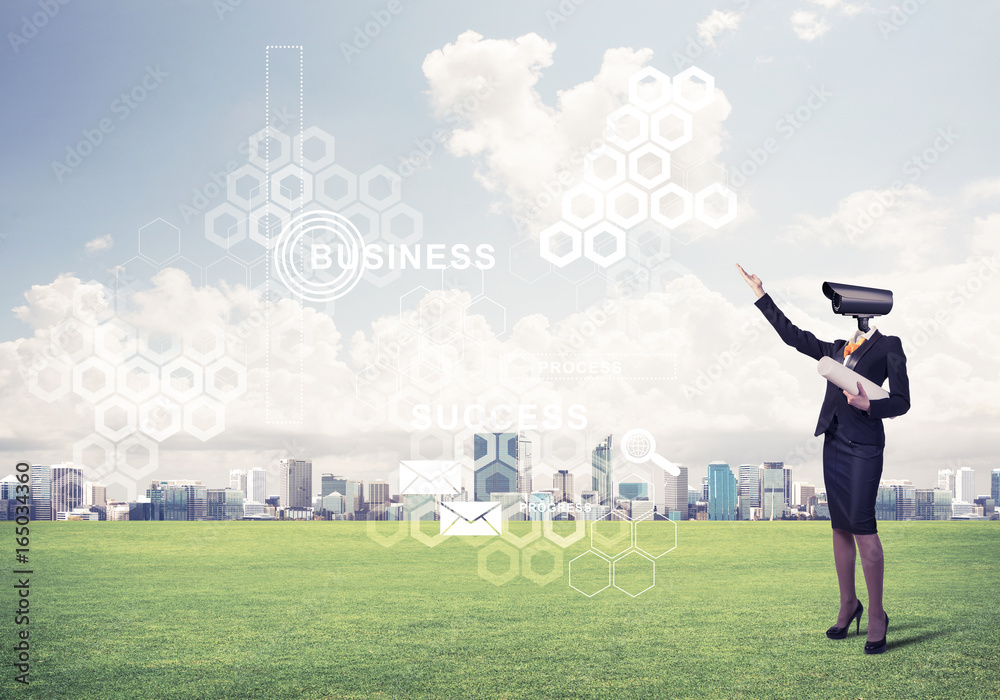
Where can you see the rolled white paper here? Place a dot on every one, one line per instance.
(847, 379)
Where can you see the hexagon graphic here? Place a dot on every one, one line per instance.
(181, 379)
(655, 535)
(313, 148)
(373, 528)
(525, 263)
(663, 207)
(693, 89)
(528, 563)
(365, 220)
(593, 240)
(523, 541)
(580, 531)
(92, 303)
(513, 562)
(612, 534)
(72, 340)
(160, 418)
(264, 225)
(115, 418)
(292, 187)
(648, 89)
(204, 418)
(129, 452)
(628, 127)
(380, 187)
(115, 340)
(205, 343)
(245, 187)
(627, 206)
(493, 312)
(634, 573)
(715, 190)
(402, 224)
(95, 454)
(138, 379)
(605, 167)
(376, 385)
(270, 149)
(93, 379)
(159, 346)
(649, 166)
(592, 571)
(551, 234)
(159, 241)
(671, 127)
(225, 379)
(336, 187)
(583, 205)
(50, 379)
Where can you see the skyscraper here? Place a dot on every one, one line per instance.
(965, 485)
(351, 489)
(238, 480)
(95, 494)
(257, 485)
(675, 494)
(495, 464)
(633, 491)
(995, 486)
(523, 464)
(562, 484)
(602, 463)
(788, 486)
(67, 488)
(772, 490)
(378, 499)
(722, 492)
(946, 480)
(749, 489)
(802, 492)
(41, 493)
(296, 483)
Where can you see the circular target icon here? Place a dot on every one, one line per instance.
(320, 255)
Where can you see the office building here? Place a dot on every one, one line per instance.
(562, 484)
(749, 495)
(885, 503)
(633, 490)
(257, 485)
(514, 505)
(946, 481)
(295, 478)
(351, 489)
(772, 490)
(995, 485)
(933, 504)
(238, 481)
(94, 494)
(602, 465)
(495, 468)
(723, 489)
(378, 499)
(524, 480)
(67, 487)
(788, 486)
(540, 505)
(965, 485)
(41, 493)
(704, 489)
(675, 494)
(801, 493)
(225, 504)
(906, 498)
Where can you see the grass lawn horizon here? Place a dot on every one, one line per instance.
(320, 610)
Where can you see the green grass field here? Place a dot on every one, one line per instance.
(319, 610)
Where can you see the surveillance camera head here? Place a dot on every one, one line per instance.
(860, 302)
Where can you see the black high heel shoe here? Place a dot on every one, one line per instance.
(879, 646)
(841, 632)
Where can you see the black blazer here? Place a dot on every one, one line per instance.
(878, 358)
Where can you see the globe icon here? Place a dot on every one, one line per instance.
(638, 445)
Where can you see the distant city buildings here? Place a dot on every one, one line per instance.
(723, 490)
(295, 478)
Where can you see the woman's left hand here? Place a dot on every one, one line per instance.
(859, 401)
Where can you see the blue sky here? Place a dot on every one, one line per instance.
(889, 89)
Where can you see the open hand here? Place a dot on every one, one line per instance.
(754, 281)
(859, 401)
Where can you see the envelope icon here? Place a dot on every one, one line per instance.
(430, 477)
(471, 518)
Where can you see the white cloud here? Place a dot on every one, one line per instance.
(101, 243)
(717, 23)
(809, 25)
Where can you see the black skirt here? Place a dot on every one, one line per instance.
(851, 474)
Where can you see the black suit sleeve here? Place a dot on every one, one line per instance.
(803, 341)
(898, 401)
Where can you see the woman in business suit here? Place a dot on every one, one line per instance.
(852, 456)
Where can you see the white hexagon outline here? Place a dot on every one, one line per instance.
(374, 220)
(319, 187)
(622, 558)
(157, 357)
(101, 427)
(622, 517)
(596, 196)
(521, 542)
(545, 239)
(633, 166)
(241, 379)
(121, 456)
(642, 209)
(395, 187)
(381, 368)
(418, 534)
(100, 365)
(686, 134)
(130, 346)
(177, 233)
(65, 379)
(537, 548)
(97, 440)
(205, 358)
(621, 168)
(220, 418)
(253, 223)
(678, 89)
(154, 379)
(591, 235)
(299, 156)
(633, 88)
(197, 383)
(175, 412)
(651, 518)
(371, 529)
(402, 209)
(633, 111)
(671, 222)
(254, 201)
(548, 531)
(279, 197)
(599, 556)
(513, 556)
(241, 225)
(699, 205)
(256, 154)
(84, 351)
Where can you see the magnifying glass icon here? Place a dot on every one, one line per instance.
(639, 447)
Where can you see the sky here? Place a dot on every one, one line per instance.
(146, 331)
